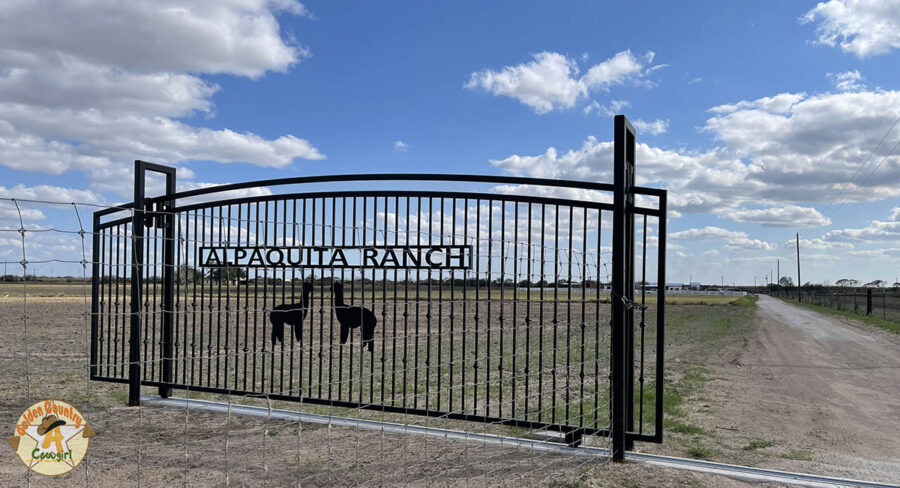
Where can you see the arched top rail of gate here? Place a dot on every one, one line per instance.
(436, 177)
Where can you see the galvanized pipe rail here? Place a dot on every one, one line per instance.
(746, 473)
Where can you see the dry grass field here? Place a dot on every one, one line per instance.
(155, 446)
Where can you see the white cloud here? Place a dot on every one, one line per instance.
(861, 27)
(895, 214)
(792, 216)
(734, 240)
(847, 81)
(817, 243)
(551, 80)
(708, 233)
(655, 127)
(401, 146)
(747, 244)
(615, 107)
(875, 231)
(91, 86)
(50, 193)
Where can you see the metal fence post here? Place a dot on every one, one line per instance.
(138, 221)
(137, 267)
(868, 301)
(622, 285)
(95, 293)
(168, 299)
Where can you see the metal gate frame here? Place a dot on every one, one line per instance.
(160, 212)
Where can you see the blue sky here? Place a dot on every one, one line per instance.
(761, 119)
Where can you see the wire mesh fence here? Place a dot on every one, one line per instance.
(520, 344)
(883, 303)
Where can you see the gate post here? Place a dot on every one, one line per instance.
(137, 267)
(622, 334)
(168, 298)
(868, 301)
(138, 221)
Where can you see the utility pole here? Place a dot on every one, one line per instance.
(778, 263)
(799, 297)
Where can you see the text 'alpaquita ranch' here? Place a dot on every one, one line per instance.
(339, 257)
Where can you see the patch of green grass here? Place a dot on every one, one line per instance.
(887, 325)
(681, 427)
(798, 455)
(746, 301)
(566, 484)
(700, 452)
(755, 444)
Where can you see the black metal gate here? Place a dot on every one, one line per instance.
(497, 305)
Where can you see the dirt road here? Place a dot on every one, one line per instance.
(821, 384)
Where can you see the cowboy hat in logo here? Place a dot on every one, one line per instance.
(51, 437)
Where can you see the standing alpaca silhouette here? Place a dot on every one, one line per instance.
(353, 317)
(291, 314)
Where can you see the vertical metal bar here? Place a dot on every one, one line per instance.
(168, 305)
(112, 321)
(528, 317)
(362, 275)
(440, 322)
(555, 310)
(660, 317)
(95, 293)
(405, 310)
(428, 312)
(344, 215)
(643, 324)
(418, 280)
(394, 290)
(541, 285)
(584, 239)
(599, 260)
(228, 307)
(372, 353)
(569, 315)
(224, 273)
(487, 346)
(384, 276)
(122, 261)
(331, 309)
(465, 310)
(452, 316)
(265, 306)
(515, 308)
(137, 232)
(255, 297)
(237, 304)
(500, 317)
(321, 354)
(287, 331)
(477, 300)
(623, 199)
(352, 298)
(149, 325)
(312, 330)
(209, 307)
(246, 348)
(194, 308)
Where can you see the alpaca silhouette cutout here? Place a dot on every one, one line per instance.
(291, 314)
(351, 317)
